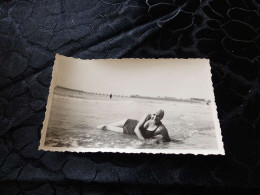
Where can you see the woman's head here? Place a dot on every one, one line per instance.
(157, 115)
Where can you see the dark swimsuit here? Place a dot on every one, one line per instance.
(130, 125)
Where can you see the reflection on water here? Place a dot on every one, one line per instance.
(74, 118)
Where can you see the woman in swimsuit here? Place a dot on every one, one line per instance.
(149, 126)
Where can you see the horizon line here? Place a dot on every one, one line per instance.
(134, 95)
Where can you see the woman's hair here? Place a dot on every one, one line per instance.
(160, 112)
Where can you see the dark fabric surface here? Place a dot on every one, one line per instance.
(31, 32)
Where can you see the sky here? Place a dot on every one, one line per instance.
(177, 78)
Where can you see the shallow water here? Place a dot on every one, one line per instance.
(75, 116)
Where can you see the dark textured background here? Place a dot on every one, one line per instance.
(31, 32)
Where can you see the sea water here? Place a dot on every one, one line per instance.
(74, 117)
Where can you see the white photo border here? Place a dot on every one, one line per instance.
(219, 151)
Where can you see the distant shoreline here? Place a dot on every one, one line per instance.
(191, 100)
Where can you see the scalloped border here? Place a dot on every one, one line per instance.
(219, 151)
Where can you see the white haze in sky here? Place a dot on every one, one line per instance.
(178, 78)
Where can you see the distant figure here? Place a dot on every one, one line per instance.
(110, 96)
(148, 127)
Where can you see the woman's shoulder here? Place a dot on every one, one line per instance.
(161, 127)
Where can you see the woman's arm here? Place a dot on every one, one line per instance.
(164, 133)
(140, 125)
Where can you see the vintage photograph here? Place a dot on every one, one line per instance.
(132, 106)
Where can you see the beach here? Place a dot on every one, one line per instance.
(75, 115)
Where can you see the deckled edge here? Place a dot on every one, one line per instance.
(219, 151)
(218, 131)
(53, 84)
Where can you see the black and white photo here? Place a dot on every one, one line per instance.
(132, 106)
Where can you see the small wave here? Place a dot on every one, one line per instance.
(184, 134)
(85, 142)
(205, 128)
